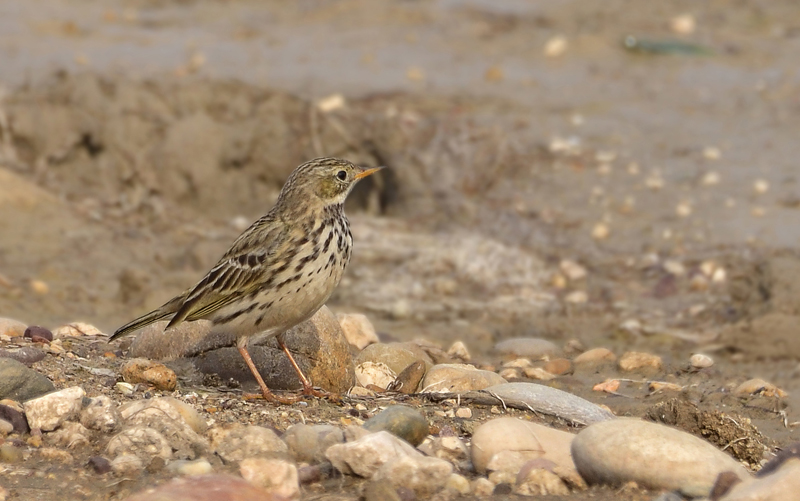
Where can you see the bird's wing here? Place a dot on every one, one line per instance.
(242, 270)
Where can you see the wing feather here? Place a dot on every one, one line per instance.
(242, 270)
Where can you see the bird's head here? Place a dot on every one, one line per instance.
(324, 180)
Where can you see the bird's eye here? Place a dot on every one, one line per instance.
(342, 175)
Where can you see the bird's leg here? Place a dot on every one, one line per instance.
(308, 388)
(268, 395)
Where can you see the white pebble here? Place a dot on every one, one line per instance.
(683, 24)
(711, 178)
(555, 46)
(700, 361)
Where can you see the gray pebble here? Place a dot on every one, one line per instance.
(20, 383)
(401, 421)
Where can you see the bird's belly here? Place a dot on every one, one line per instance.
(274, 310)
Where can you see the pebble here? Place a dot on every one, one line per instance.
(521, 363)
(354, 432)
(360, 391)
(6, 427)
(141, 370)
(577, 297)
(559, 366)
(69, 435)
(423, 475)
(401, 421)
(165, 416)
(100, 414)
(196, 467)
(540, 398)
(308, 443)
(276, 476)
(238, 441)
(20, 383)
(458, 350)
(49, 411)
(374, 374)
(27, 355)
(9, 453)
(458, 483)
(464, 413)
(12, 328)
(99, 464)
(408, 381)
(538, 374)
(572, 270)
(34, 331)
(126, 389)
(358, 330)
(171, 407)
(700, 361)
(758, 387)
(456, 378)
(527, 347)
(211, 487)
(53, 454)
(140, 442)
(540, 482)
(12, 412)
(452, 449)
(77, 329)
(638, 361)
(654, 386)
(366, 455)
(482, 487)
(654, 456)
(396, 356)
(529, 440)
(127, 464)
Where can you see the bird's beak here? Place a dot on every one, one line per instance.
(367, 171)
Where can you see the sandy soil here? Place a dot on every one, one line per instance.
(137, 137)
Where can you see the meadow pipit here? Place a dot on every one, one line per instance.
(281, 270)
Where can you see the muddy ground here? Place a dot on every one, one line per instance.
(137, 138)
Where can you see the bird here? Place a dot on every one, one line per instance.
(279, 271)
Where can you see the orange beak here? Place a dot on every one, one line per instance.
(367, 171)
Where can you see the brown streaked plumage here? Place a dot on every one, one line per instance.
(281, 270)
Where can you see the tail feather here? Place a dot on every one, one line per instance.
(144, 320)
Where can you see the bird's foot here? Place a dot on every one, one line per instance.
(320, 393)
(271, 397)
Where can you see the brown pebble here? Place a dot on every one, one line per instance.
(559, 366)
(633, 361)
(759, 387)
(595, 356)
(141, 370)
(35, 331)
(99, 464)
(409, 378)
(15, 417)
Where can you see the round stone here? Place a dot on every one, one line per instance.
(652, 455)
(401, 421)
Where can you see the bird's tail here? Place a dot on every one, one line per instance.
(166, 311)
(144, 320)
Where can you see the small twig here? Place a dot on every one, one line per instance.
(740, 439)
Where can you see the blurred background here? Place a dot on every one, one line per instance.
(621, 173)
